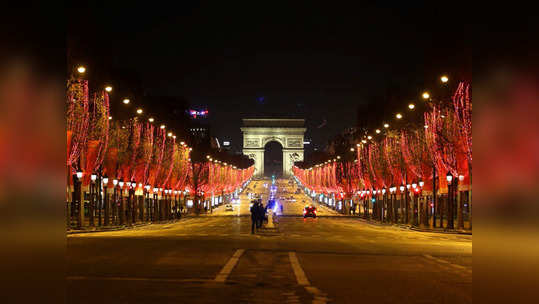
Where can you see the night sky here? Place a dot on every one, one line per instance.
(328, 64)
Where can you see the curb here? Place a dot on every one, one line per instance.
(118, 228)
(409, 227)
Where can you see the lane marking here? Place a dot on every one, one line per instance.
(221, 277)
(298, 271)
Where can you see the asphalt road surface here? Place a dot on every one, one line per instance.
(215, 259)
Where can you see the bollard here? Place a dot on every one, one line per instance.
(270, 220)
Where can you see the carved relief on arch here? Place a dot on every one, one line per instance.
(273, 138)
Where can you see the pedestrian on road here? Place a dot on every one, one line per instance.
(261, 214)
(254, 216)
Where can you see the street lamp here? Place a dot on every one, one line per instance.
(151, 119)
(461, 178)
(105, 180)
(401, 188)
(384, 191)
(378, 131)
(414, 185)
(79, 174)
(449, 177)
(426, 95)
(121, 183)
(81, 69)
(398, 115)
(444, 79)
(411, 106)
(369, 137)
(126, 101)
(114, 182)
(139, 111)
(421, 183)
(108, 89)
(386, 125)
(162, 126)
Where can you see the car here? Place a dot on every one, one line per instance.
(309, 211)
(228, 207)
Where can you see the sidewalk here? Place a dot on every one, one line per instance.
(115, 228)
(419, 229)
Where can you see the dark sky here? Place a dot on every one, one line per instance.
(263, 59)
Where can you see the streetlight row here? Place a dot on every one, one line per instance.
(366, 137)
(425, 95)
(220, 162)
(82, 69)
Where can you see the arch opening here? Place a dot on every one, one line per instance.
(273, 159)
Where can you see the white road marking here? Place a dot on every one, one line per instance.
(221, 277)
(298, 271)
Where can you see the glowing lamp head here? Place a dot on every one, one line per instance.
(93, 177)
(426, 95)
(162, 126)
(147, 187)
(386, 125)
(81, 69)
(169, 134)
(421, 183)
(108, 89)
(384, 191)
(155, 190)
(79, 174)
(449, 177)
(105, 180)
(352, 149)
(140, 185)
(139, 111)
(121, 183)
(151, 119)
(398, 115)
(461, 178)
(115, 182)
(408, 186)
(364, 141)
(411, 106)
(401, 188)
(126, 101)
(414, 185)
(378, 131)
(444, 79)
(110, 117)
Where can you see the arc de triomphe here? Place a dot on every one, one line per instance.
(288, 132)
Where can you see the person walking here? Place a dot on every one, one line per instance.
(261, 214)
(254, 216)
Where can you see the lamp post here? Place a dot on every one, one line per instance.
(80, 196)
(460, 206)
(402, 204)
(121, 201)
(384, 205)
(105, 199)
(450, 186)
(93, 197)
(147, 201)
(115, 201)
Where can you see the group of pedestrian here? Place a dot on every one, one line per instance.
(258, 213)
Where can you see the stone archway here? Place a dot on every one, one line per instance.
(288, 132)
